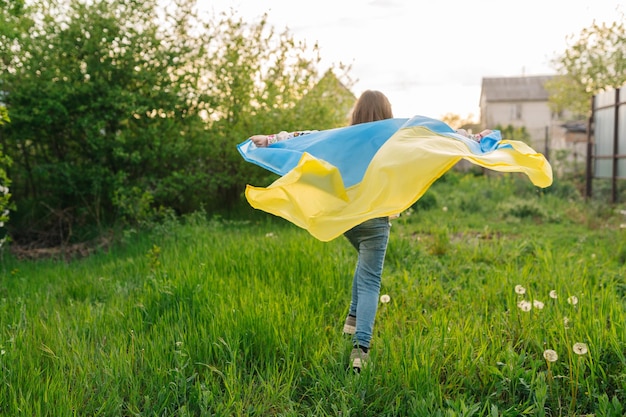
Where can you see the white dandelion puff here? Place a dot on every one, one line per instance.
(385, 298)
(566, 322)
(553, 295)
(537, 304)
(445, 208)
(525, 305)
(573, 300)
(269, 234)
(520, 290)
(580, 348)
(550, 355)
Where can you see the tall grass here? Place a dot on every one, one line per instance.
(236, 318)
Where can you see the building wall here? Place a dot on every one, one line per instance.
(546, 133)
(522, 102)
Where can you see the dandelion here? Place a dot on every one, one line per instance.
(553, 295)
(270, 234)
(566, 322)
(580, 348)
(520, 290)
(525, 305)
(573, 300)
(550, 355)
(385, 298)
(445, 208)
(537, 304)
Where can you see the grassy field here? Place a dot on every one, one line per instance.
(488, 279)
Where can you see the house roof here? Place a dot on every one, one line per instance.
(515, 88)
(575, 127)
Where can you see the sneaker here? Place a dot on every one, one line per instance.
(349, 327)
(359, 359)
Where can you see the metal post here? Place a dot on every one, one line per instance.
(615, 148)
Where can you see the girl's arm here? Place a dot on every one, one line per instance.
(266, 140)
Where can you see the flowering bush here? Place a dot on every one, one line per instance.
(5, 195)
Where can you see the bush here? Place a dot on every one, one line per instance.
(5, 182)
(523, 209)
(117, 114)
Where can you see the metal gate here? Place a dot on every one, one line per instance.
(606, 141)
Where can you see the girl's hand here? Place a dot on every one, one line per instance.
(259, 140)
(477, 137)
(484, 133)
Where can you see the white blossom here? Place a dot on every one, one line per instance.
(580, 348)
(550, 355)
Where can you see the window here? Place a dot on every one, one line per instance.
(516, 111)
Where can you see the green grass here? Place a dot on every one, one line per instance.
(204, 317)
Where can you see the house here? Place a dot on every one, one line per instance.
(523, 102)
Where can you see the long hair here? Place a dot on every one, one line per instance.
(370, 107)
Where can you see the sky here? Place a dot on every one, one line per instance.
(429, 57)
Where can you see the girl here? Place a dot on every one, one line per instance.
(369, 238)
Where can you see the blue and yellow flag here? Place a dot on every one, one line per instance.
(333, 180)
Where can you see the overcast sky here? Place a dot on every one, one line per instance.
(429, 57)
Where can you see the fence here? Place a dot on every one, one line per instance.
(606, 141)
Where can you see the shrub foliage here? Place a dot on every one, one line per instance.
(120, 109)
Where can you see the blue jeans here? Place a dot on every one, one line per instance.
(370, 239)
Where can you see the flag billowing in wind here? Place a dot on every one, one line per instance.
(333, 180)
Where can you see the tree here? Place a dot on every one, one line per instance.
(94, 90)
(120, 109)
(596, 61)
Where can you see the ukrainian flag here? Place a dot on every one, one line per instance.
(333, 180)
